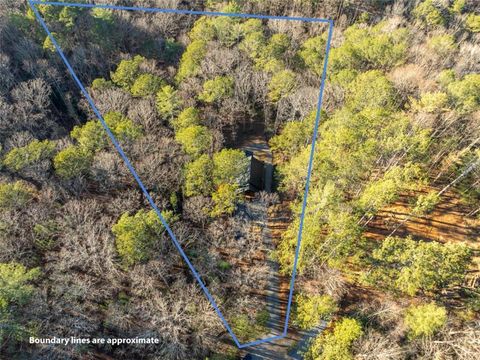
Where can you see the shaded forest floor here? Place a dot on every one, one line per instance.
(447, 222)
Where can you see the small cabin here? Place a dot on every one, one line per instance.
(261, 174)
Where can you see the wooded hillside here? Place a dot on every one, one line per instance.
(389, 258)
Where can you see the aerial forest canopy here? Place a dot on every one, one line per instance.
(217, 115)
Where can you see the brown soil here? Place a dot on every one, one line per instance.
(448, 222)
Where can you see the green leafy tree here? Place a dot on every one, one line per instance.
(429, 12)
(371, 89)
(146, 84)
(253, 44)
(413, 266)
(103, 14)
(386, 190)
(443, 45)
(219, 88)
(227, 29)
(202, 30)
(242, 327)
(101, 84)
(329, 232)
(93, 137)
(68, 16)
(127, 72)
(188, 117)
(49, 12)
(281, 84)
(198, 177)
(426, 203)
(15, 195)
(72, 161)
(270, 57)
(432, 102)
(425, 320)
(472, 22)
(336, 344)
(135, 235)
(277, 45)
(15, 292)
(19, 158)
(310, 310)
(172, 51)
(466, 93)
(48, 43)
(446, 77)
(104, 23)
(191, 60)
(195, 139)
(231, 166)
(293, 138)
(365, 48)
(168, 102)
(251, 26)
(458, 6)
(225, 199)
(312, 53)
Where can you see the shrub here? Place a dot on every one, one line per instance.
(19, 158)
(425, 320)
(14, 195)
(243, 328)
(336, 344)
(311, 310)
(224, 265)
(72, 161)
(426, 203)
(194, 139)
(247, 329)
(262, 318)
(15, 291)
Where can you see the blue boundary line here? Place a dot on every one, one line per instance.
(117, 146)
